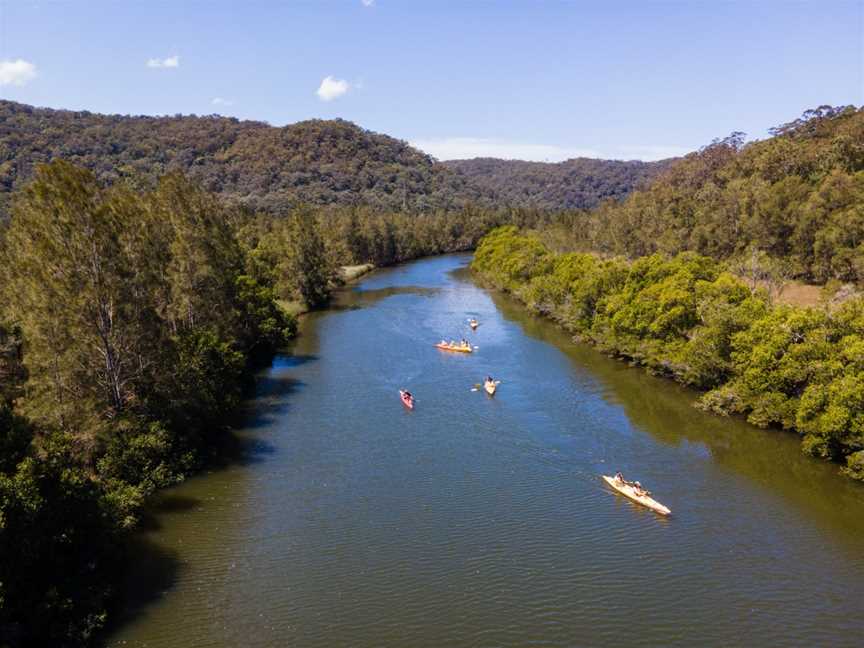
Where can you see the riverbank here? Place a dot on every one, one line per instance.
(474, 520)
(353, 273)
(687, 319)
(347, 275)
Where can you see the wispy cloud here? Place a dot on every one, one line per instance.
(169, 62)
(17, 72)
(461, 148)
(331, 88)
(368, 3)
(219, 101)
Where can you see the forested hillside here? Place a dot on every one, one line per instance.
(263, 167)
(797, 197)
(315, 162)
(581, 183)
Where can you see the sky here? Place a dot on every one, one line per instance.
(513, 79)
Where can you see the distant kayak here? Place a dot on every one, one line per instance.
(455, 347)
(630, 492)
(490, 386)
(407, 399)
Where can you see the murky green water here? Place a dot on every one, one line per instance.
(346, 520)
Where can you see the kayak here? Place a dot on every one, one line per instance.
(628, 491)
(460, 349)
(406, 398)
(490, 387)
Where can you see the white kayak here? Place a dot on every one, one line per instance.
(628, 491)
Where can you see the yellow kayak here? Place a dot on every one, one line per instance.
(460, 349)
(628, 491)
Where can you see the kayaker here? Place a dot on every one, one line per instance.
(619, 477)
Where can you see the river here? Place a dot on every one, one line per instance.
(343, 519)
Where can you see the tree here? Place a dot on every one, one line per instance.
(309, 266)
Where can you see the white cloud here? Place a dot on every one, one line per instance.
(461, 148)
(17, 72)
(169, 62)
(368, 3)
(331, 88)
(219, 101)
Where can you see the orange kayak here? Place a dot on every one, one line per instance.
(628, 491)
(459, 349)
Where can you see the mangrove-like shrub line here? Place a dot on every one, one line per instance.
(688, 318)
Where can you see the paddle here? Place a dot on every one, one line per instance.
(477, 386)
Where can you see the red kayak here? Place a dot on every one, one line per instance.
(407, 399)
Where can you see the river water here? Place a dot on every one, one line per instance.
(346, 520)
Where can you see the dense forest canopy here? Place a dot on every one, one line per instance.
(580, 183)
(797, 196)
(251, 163)
(317, 162)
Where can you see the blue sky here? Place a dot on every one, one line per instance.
(531, 80)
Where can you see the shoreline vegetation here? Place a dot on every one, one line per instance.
(345, 275)
(131, 322)
(686, 317)
(705, 276)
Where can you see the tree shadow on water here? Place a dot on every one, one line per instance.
(271, 399)
(149, 571)
(237, 449)
(243, 444)
(288, 360)
(358, 299)
(165, 503)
